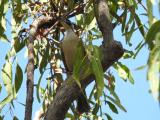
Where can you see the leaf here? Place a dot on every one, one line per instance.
(151, 34)
(15, 118)
(96, 108)
(6, 100)
(0, 87)
(69, 115)
(7, 76)
(108, 116)
(128, 54)
(43, 1)
(3, 7)
(44, 61)
(4, 38)
(79, 63)
(150, 11)
(116, 102)
(124, 72)
(1, 117)
(70, 4)
(124, 20)
(18, 78)
(141, 67)
(3, 22)
(140, 25)
(97, 70)
(112, 107)
(138, 48)
(153, 71)
(17, 47)
(38, 88)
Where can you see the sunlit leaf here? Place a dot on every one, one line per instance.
(3, 7)
(17, 47)
(5, 101)
(7, 76)
(153, 71)
(97, 70)
(4, 38)
(151, 34)
(150, 11)
(124, 72)
(128, 54)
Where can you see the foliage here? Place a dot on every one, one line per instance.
(48, 53)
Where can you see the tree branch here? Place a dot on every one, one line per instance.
(112, 51)
(30, 65)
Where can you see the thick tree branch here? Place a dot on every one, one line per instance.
(112, 51)
(30, 66)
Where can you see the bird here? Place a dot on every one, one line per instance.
(69, 45)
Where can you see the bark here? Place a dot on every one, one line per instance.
(30, 66)
(112, 51)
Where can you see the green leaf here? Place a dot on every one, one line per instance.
(69, 115)
(5, 101)
(151, 34)
(1, 117)
(108, 116)
(70, 4)
(3, 22)
(15, 118)
(150, 11)
(7, 76)
(17, 47)
(128, 54)
(116, 102)
(124, 72)
(0, 87)
(153, 71)
(96, 108)
(140, 25)
(138, 48)
(97, 70)
(80, 65)
(124, 20)
(141, 67)
(18, 78)
(3, 7)
(38, 88)
(44, 61)
(4, 38)
(112, 107)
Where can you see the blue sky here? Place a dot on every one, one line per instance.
(137, 100)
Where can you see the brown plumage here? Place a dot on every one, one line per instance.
(69, 46)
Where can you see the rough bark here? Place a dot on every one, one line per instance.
(112, 51)
(30, 66)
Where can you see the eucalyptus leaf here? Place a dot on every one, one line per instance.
(5, 101)
(97, 70)
(112, 107)
(116, 102)
(18, 78)
(7, 76)
(151, 34)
